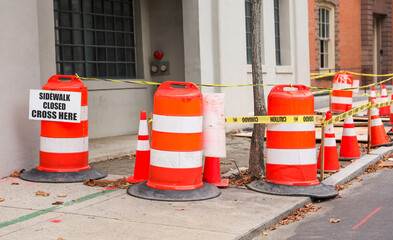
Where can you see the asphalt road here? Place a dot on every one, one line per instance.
(365, 211)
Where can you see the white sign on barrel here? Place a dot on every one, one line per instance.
(58, 106)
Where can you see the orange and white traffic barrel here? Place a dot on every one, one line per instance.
(290, 148)
(341, 99)
(64, 150)
(291, 164)
(342, 80)
(176, 146)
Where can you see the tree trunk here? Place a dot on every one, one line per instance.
(256, 160)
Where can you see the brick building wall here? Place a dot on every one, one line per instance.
(354, 36)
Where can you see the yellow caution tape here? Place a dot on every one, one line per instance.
(273, 119)
(382, 104)
(349, 113)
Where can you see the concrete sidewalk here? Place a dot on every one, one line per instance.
(107, 213)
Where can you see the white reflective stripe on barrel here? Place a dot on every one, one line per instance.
(349, 132)
(176, 124)
(291, 156)
(330, 142)
(64, 145)
(291, 127)
(341, 100)
(168, 159)
(143, 145)
(143, 128)
(84, 113)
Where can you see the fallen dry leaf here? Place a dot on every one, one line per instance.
(57, 203)
(1, 199)
(42, 193)
(334, 220)
(14, 183)
(182, 209)
(264, 233)
(119, 183)
(60, 239)
(338, 196)
(17, 173)
(64, 195)
(358, 179)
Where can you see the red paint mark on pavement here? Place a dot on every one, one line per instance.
(9, 179)
(110, 188)
(56, 221)
(29, 184)
(366, 218)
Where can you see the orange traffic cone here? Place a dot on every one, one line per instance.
(373, 96)
(212, 172)
(378, 133)
(142, 158)
(384, 98)
(391, 117)
(349, 142)
(331, 163)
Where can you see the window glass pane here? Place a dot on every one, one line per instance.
(100, 38)
(119, 39)
(77, 21)
(121, 70)
(78, 37)
(65, 19)
(99, 22)
(79, 54)
(92, 69)
(95, 38)
(109, 23)
(98, 7)
(111, 54)
(65, 5)
(101, 54)
(89, 21)
(119, 24)
(101, 70)
(121, 55)
(68, 69)
(327, 30)
(117, 8)
(111, 70)
(80, 69)
(67, 53)
(91, 54)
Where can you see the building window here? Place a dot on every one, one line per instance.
(325, 49)
(248, 31)
(277, 31)
(95, 38)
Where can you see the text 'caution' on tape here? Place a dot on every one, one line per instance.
(272, 119)
(382, 104)
(343, 116)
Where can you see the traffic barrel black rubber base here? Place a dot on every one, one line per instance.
(141, 190)
(315, 191)
(36, 175)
